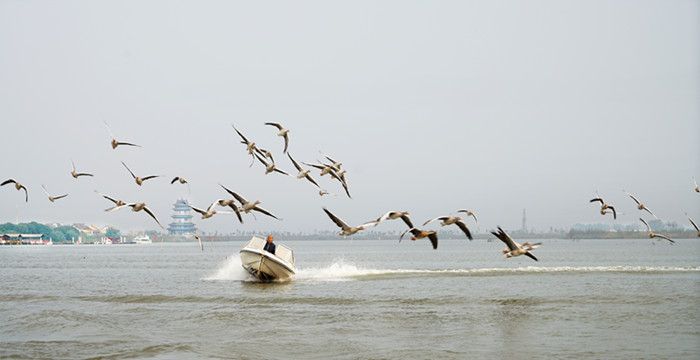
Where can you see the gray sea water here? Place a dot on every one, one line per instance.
(353, 299)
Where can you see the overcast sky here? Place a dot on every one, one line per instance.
(431, 106)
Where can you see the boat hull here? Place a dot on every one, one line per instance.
(265, 266)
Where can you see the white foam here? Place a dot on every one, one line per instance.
(230, 269)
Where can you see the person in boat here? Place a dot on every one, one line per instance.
(269, 245)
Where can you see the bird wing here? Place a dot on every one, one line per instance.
(465, 229)
(83, 174)
(130, 172)
(8, 181)
(148, 211)
(308, 177)
(60, 197)
(201, 246)
(73, 163)
(236, 196)
(368, 225)
(109, 130)
(109, 198)
(237, 211)
(261, 210)
(693, 223)
(664, 237)
(115, 208)
(286, 142)
(336, 220)
(645, 223)
(649, 211)
(150, 177)
(26, 194)
(203, 212)
(437, 218)
(280, 171)
(407, 220)
(528, 254)
(614, 212)
(501, 235)
(433, 240)
(319, 167)
(598, 199)
(634, 198)
(175, 179)
(404, 233)
(329, 159)
(278, 126)
(245, 141)
(261, 159)
(127, 144)
(45, 191)
(296, 165)
(347, 191)
(216, 202)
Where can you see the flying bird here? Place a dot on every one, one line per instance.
(248, 206)
(210, 211)
(393, 215)
(136, 207)
(334, 164)
(328, 169)
(513, 248)
(655, 235)
(51, 197)
(114, 141)
(199, 240)
(139, 180)
(270, 167)
(303, 174)
(251, 148)
(452, 220)
(697, 188)
(345, 229)
(232, 204)
(179, 179)
(76, 174)
(469, 213)
(640, 206)
(282, 132)
(118, 204)
(605, 207)
(422, 234)
(18, 187)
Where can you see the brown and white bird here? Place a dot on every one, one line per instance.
(251, 148)
(248, 206)
(469, 213)
(179, 179)
(328, 169)
(393, 215)
(139, 180)
(303, 174)
(51, 197)
(418, 234)
(136, 207)
(640, 206)
(694, 224)
(282, 132)
(605, 207)
(345, 229)
(18, 187)
(270, 167)
(334, 164)
(231, 203)
(452, 220)
(199, 240)
(210, 211)
(653, 234)
(697, 188)
(513, 248)
(114, 143)
(75, 174)
(118, 204)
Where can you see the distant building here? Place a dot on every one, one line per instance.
(182, 224)
(23, 239)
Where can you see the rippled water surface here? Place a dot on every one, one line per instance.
(352, 299)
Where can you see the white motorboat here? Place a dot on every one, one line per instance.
(266, 266)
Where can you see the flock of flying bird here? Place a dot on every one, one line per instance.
(239, 205)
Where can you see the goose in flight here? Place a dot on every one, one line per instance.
(118, 204)
(393, 215)
(18, 187)
(210, 211)
(251, 148)
(605, 207)
(334, 164)
(641, 206)
(232, 204)
(139, 180)
(418, 234)
(345, 229)
(282, 132)
(694, 225)
(114, 141)
(469, 213)
(270, 167)
(51, 197)
(199, 240)
(136, 207)
(653, 234)
(452, 220)
(248, 206)
(303, 174)
(328, 169)
(179, 179)
(75, 174)
(513, 248)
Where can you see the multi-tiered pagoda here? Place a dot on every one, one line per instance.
(181, 224)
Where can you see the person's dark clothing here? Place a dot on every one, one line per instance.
(270, 247)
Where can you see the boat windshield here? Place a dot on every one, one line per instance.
(281, 251)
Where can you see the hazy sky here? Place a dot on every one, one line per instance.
(432, 106)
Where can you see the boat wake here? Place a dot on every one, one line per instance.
(232, 270)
